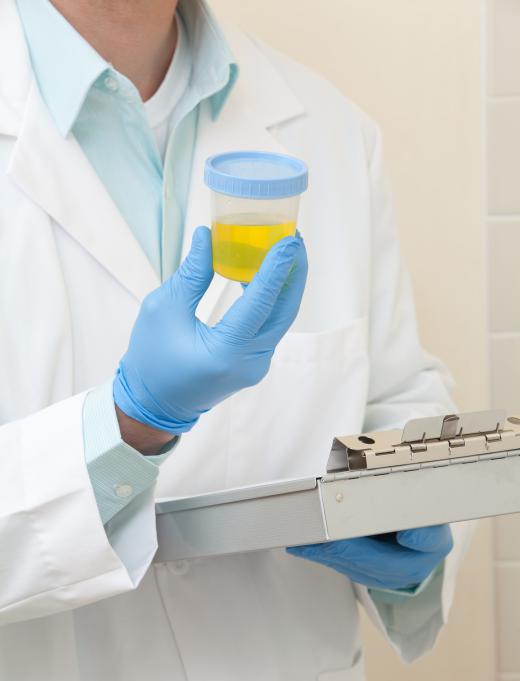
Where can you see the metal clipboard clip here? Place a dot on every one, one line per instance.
(437, 440)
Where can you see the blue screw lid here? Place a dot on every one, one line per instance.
(256, 175)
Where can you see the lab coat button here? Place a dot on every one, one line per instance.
(123, 490)
(111, 83)
(179, 567)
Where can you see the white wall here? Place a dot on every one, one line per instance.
(416, 66)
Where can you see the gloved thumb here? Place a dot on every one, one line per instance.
(192, 279)
(434, 539)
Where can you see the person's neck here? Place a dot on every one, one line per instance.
(138, 37)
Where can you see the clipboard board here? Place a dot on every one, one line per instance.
(437, 470)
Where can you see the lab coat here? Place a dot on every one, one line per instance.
(76, 607)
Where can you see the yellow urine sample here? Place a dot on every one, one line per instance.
(238, 248)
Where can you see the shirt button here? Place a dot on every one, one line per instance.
(111, 83)
(123, 491)
(179, 567)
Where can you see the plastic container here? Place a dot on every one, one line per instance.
(255, 199)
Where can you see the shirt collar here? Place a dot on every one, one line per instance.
(65, 83)
(214, 69)
(64, 64)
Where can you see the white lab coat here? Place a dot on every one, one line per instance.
(71, 280)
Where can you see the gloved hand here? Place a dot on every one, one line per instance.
(176, 367)
(391, 561)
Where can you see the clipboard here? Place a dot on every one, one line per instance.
(437, 470)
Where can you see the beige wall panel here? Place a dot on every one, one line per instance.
(504, 47)
(504, 275)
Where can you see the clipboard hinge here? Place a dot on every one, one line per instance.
(442, 439)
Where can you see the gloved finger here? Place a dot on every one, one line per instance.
(288, 302)
(434, 539)
(363, 553)
(390, 560)
(373, 558)
(364, 577)
(191, 281)
(386, 582)
(247, 315)
(244, 284)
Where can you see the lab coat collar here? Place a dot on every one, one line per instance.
(55, 174)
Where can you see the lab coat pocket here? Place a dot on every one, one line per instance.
(315, 389)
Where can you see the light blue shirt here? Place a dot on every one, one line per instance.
(89, 99)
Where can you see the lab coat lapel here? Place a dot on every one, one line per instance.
(243, 123)
(54, 172)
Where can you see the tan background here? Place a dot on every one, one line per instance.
(417, 67)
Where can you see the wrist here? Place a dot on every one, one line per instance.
(135, 407)
(146, 439)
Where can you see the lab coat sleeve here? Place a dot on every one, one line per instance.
(117, 471)
(55, 554)
(405, 383)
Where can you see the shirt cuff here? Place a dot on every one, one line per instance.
(118, 472)
(411, 623)
(395, 596)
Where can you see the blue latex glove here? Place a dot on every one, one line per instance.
(176, 367)
(392, 561)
